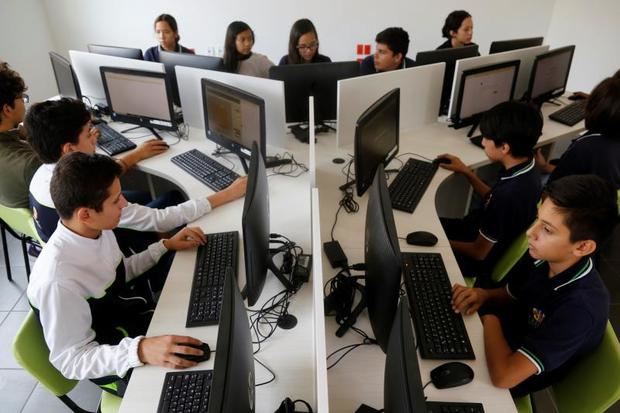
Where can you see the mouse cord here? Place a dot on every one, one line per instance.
(427, 383)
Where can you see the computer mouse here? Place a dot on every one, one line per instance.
(451, 374)
(576, 96)
(423, 238)
(204, 347)
(442, 160)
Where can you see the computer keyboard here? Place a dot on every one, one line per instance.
(208, 171)
(407, 188)
(450, 407)
(570, 114)
(441, 333)
(212, 259)
(186, 392)
(113, 142)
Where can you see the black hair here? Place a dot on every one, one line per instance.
(453, 22)
(517, 124)
(172, 22)
(12, 86)
(396, 39)
(589, 205)
(53, 123)
(603, 108)
(82, 180)
(299, 28)
(231, 56)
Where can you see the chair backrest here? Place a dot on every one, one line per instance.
(20, 220)
(510, 257)
(593, 384)
(31, 352)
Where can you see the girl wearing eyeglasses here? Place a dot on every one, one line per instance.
(303, 45)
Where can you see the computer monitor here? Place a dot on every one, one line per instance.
(482, 88)
(314, 79)
(126, 52)
(68, 86)
(499, 46)
(174, 59)
(138, 97)
(232, 389)
(550, 74)
(449, 57)
(383, 260)
(376, 138)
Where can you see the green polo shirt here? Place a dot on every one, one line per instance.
(18, 163)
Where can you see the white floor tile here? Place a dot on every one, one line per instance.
(8, 329)
(15, 388)
(10, 292)
(22, 303)
(86, 395)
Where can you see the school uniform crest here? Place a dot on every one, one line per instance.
(536, 317)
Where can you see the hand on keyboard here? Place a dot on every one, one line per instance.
(455, 164)
(160, 351)
(230, 193)
(188, 237)
(466, 300)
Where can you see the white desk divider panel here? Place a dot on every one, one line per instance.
(320, 349)
(312, 143)
(420, 94)
(86, 67)
(272, 91)
(526, 56)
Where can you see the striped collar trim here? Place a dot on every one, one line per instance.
(521, 171)
(586, 135)
(585, 270)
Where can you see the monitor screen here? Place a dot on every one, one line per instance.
(138, 97)
(314, 79)
(449, 57)
(255, 227)
(68, 86)
(233, 372)
(499, 46)
(550, 74)
(383, 260)
(376, 138)
(402, 386)
(233, 118)
(484, 87)
(126, 52)
(174, 59)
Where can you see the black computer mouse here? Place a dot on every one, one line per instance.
(576, 96)
(204, 347)
(423, 238)
(441, 160)
(451, 374)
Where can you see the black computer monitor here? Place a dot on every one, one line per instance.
(376, 138)
(313, 79)
(499, 46)
(383, 260)
(232, 389)
(550, 74)
(402, 386)
(449, 57)
(174, 59)
(482, 88)
(66, 80)
(126, 52)
(138, 97)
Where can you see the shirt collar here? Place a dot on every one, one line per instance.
(517, 170)
(577, 271)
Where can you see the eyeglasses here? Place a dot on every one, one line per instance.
(311, 46)
(24, 97)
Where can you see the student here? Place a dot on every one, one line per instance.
(238, 55)
(167, 33)
(556, 311)
(79, 284)
(19, 162)
(57, 128)
(458, 29)
(303, 45)
(510, 130)
(390, 53)
(598, 150)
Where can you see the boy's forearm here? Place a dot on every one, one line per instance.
(477, 184)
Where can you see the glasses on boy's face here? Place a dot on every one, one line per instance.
(311, 46)
(24, 97)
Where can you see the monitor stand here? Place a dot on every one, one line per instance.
(301, 133)
(476, 140)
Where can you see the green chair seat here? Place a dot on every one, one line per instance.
(110, 403)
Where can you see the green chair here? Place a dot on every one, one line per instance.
(20, 224)
(31, 352)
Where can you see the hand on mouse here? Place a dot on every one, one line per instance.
(160, 351)
(466, 300)
(455, 164)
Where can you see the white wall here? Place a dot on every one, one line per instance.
(594, 28)
(25, 45)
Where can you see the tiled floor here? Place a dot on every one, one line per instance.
(19, 391)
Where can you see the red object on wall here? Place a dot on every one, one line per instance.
(366, 49)
(360, 48)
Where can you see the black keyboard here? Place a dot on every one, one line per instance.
(441, 333)
(208, 171)
(113, 142)
(570, 114)
(449, 407)
(205, 302)
(407, 188)
(186, 392)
